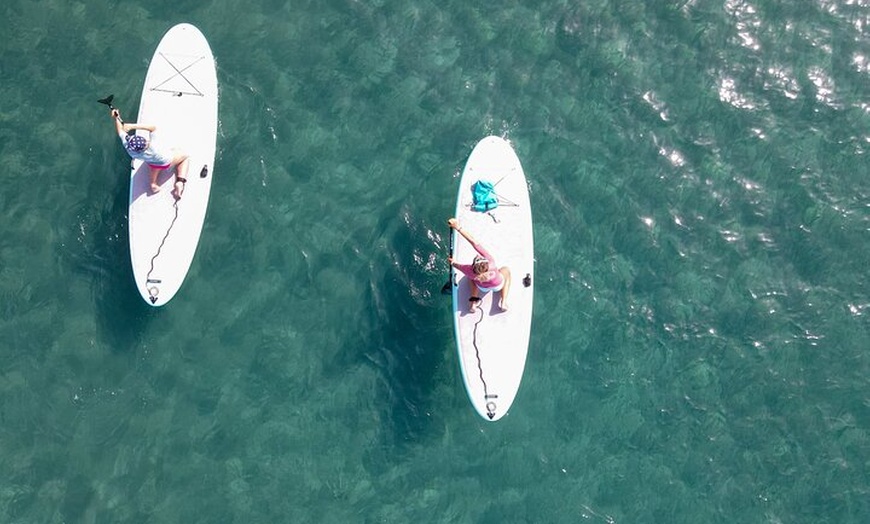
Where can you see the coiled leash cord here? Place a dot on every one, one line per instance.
(153, 291)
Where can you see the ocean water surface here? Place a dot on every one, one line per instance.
(699, 353)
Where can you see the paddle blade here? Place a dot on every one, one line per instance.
(107, 100)
(445, 289)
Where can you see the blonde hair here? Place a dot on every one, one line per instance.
(480, 265)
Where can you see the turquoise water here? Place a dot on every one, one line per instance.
(700, 344)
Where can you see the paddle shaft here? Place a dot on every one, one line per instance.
(446, 288)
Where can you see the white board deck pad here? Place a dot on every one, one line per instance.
(180, 98)
(493, 344)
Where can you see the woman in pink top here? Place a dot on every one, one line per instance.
(483, 273)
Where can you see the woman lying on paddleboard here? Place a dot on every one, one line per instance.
(158, 159)
(482, 273)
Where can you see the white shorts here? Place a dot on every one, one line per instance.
(488, 289)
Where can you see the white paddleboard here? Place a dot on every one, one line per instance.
(493, 344)
(180, 98)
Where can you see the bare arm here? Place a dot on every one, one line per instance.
(116, 115)
(122, 128)
(453, 223)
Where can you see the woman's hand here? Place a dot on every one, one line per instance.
(453, 223)
(115, 113)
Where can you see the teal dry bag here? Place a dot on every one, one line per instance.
(484, 196)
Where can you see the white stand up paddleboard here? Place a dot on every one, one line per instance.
(492, 344)
(180, 98)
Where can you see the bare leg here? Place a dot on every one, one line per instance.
(152, 174)
(475, 293)
(182, 164)
(506, 273)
